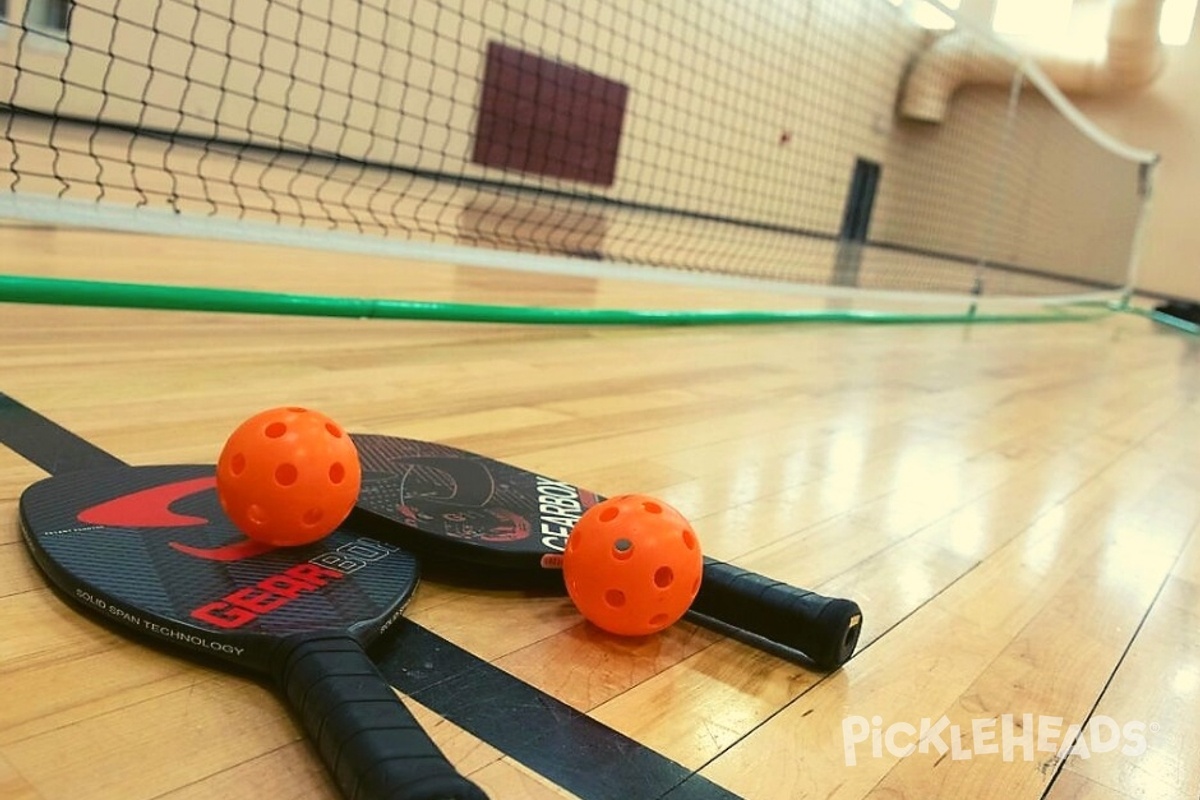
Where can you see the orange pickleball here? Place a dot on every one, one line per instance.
(632, 565)
(288, 476)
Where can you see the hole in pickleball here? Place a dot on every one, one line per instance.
(658, 620)
(689, 539)
(286, 474)
(653, 508)
(275, 430)
(337, 473)
(664, 577)
(622, 549)
(615, 598)
(334, 430)
(312, 516)
(238, 464)
(297, 409)
(609, 514)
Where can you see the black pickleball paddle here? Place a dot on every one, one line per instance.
(457, 505)
(149, 548)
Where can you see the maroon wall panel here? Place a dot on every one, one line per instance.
(544, 117)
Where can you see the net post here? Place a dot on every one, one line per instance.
(991, 245)
(1145, 189)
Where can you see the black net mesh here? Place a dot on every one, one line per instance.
(755, 137)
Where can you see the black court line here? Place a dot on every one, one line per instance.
(585, 756)
(47, 444)
(549, 737)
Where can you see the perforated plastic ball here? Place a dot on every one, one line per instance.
(288, 476)
(632, 565)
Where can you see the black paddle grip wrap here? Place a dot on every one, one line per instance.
(371, 744)
(825, 629)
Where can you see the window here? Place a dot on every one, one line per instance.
(1051, 23)
(48, 16)
(1175, 25)
(927, 14)
(1033, 18)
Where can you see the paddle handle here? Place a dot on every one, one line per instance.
(825, 629)
(371, 744)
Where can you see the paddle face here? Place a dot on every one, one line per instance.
(150, 548)
(468, 506)
(458, 505)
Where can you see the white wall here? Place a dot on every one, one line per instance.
(1166, 118)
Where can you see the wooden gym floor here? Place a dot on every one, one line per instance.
(1014, 507)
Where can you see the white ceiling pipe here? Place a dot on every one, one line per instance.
(1133, 59)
